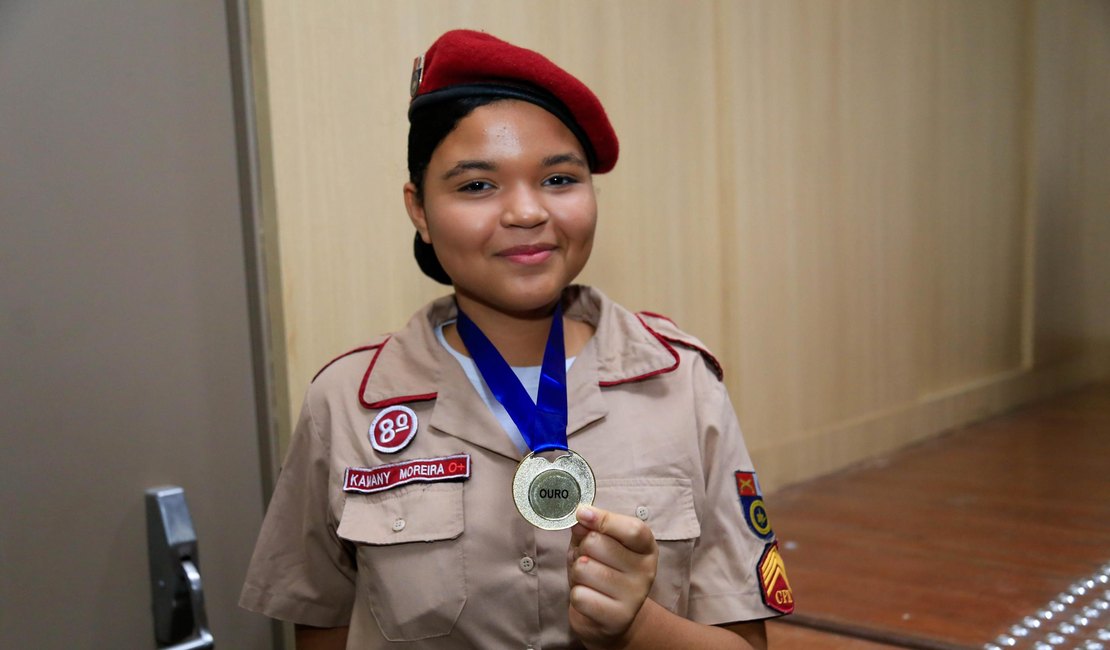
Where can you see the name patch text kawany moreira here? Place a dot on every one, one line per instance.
(367, 480)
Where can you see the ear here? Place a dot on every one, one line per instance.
(415, 208)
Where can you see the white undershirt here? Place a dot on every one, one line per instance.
(529, 377)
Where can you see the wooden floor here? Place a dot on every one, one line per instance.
(784, 636)
(997, 533)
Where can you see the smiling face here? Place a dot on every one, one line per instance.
(509, 205)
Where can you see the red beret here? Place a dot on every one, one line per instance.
(466, 63)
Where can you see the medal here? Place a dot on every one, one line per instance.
(546, 493)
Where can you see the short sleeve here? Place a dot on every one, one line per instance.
(301, 571)
(724, 579)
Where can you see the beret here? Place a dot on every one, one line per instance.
(466, 63)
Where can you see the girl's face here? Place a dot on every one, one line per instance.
(509, 206)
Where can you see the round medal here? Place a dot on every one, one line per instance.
(547, 493)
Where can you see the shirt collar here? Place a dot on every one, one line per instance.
(411, 366)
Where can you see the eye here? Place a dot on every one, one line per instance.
(559, 180)
(474, 187)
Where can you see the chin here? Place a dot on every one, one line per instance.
(523, 302)
(535, 305)
(516, 293)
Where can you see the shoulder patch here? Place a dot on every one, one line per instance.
(773, 584)
(751, 502)
(667, 329)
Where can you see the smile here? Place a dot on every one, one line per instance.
(527, 255)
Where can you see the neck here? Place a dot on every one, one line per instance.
(520, 337)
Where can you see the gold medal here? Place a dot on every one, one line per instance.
(547, 493)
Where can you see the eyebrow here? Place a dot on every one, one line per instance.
(466, 165)
(487, 166)
(562, 158)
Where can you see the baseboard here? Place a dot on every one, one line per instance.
(816, 453)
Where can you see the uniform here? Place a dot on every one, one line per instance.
(450, 563)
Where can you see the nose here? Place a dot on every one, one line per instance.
(524, 208)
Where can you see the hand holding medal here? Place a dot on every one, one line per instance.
(611, 567)
(547, 493)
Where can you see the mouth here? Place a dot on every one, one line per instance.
(530, 254)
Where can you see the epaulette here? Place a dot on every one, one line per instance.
(666, 329)
(372, 346)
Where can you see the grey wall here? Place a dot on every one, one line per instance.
(124, 326)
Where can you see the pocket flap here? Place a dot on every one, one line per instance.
(417, 513)
(665, 504)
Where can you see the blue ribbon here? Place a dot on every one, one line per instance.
(543, 423)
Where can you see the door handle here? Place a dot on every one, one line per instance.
(176, 591)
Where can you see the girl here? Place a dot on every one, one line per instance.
(434, 473)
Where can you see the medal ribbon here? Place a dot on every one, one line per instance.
(543, 423)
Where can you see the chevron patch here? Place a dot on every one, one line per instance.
(772, 581)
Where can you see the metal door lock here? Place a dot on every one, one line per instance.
(177, 595)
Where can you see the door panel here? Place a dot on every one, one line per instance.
(124, 318)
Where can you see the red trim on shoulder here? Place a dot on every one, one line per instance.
(653, 373)
(718, 369)
(347, 354)
(392, 401)
(655, 315)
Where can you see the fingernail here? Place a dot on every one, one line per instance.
(586, 514)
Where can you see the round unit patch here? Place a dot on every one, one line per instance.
(758, 519)
(393, 429)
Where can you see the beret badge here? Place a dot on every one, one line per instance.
(417, 75)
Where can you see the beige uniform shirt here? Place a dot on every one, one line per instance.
(451, 564)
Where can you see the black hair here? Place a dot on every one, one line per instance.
(428, 127)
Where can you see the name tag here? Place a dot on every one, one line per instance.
(367, 480)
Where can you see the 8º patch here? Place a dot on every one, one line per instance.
(751, 502)
(773, 584)
(393, 429)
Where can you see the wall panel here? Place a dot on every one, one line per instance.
(844, 199)
(1072, 195)
(873, 267)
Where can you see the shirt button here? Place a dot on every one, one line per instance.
(398, 525)
(643, 513)
(527, 564)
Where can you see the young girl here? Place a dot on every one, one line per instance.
(437, 491)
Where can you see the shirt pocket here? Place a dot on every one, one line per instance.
(666, 505)
(410, 557)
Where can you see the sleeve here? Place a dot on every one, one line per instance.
(725, 576)
(301, 571)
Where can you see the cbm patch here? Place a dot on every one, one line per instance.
(751, 502)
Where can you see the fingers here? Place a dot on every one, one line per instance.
(606, 615)
(611, 565)
(577, 532)
(616, 579)
(608, 551)
(632, 533)
(604, 554)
